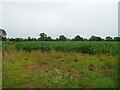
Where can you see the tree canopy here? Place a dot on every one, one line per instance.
(44, 37)
(95, 38)
(108, 38)
(2, 34)
(78, 38)
(62, 38)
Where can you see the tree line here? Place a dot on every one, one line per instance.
(44, 37)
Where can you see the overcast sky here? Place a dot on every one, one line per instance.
(73, 17)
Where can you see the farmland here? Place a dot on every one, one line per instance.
(91, 47)
(60, 64)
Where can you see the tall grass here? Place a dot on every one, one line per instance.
(90, 47)
(59, 70)
(43, 64)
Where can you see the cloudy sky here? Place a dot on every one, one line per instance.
(57, 17)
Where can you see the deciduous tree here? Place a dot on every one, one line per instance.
(62, 38)
(43, 36)
(3, 34)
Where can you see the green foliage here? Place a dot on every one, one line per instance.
(48, 38)
(86, 49)
(90, 47)
(43, 36)
(91, 67)
(95, 38)
(62, 38)
(108, 38)
(59, 70)
(116, 38)
(77, 38)
(2, 34)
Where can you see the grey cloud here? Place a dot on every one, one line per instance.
(84, 18)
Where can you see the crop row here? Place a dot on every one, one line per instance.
(90, 47)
